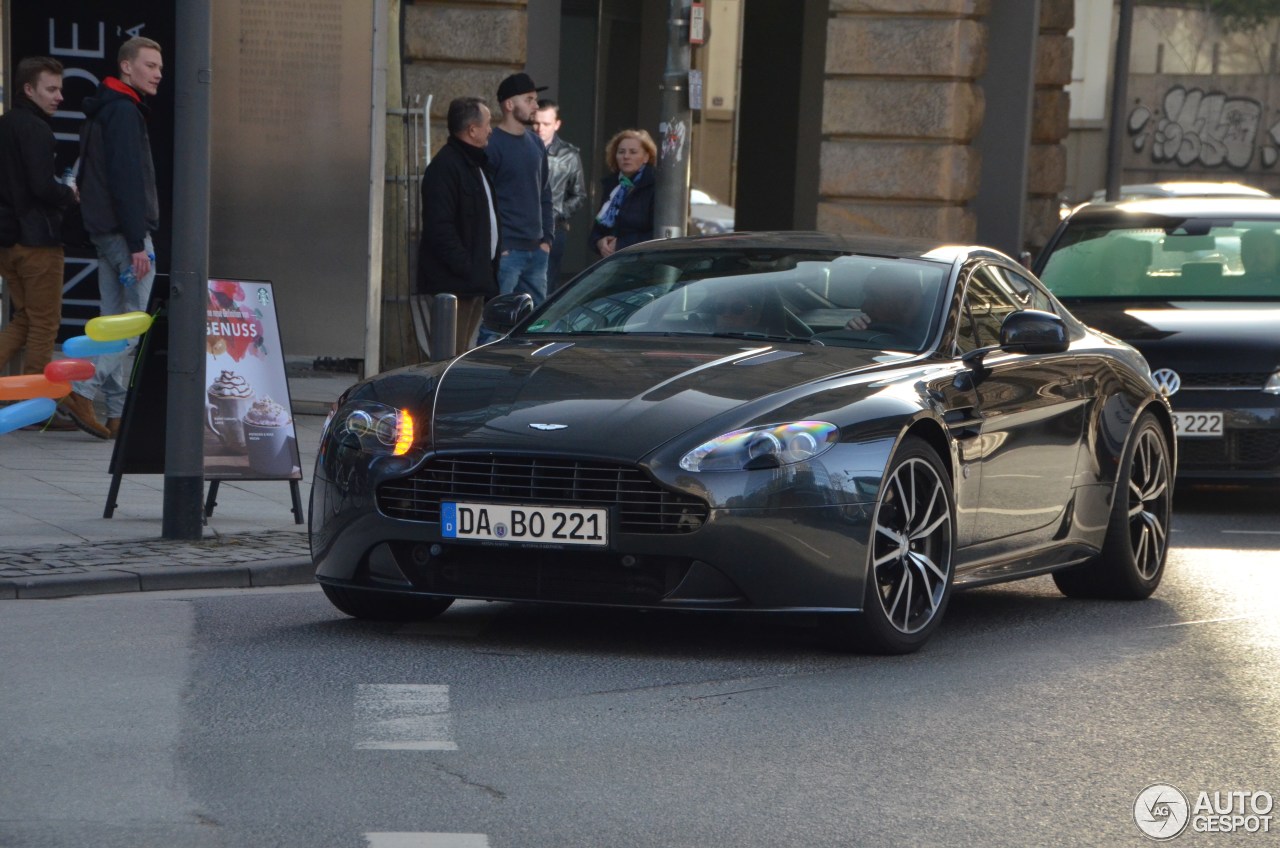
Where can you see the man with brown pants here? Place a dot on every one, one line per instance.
(31, 205)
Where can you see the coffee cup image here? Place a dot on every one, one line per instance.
(228, 399)
(267, 432)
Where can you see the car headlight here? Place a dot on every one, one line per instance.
(1272, 386)
(373, 428)
(771, 446)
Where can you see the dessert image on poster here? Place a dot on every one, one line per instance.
(248, 427)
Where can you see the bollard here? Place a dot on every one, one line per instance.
(444, 326)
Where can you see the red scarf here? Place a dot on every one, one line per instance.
(115, 85)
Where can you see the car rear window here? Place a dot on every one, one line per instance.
(1203, 259)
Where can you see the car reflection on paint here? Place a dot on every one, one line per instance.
(791, 423)
(1194, 283)
(707, 215)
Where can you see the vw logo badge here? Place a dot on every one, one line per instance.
(1167, 380)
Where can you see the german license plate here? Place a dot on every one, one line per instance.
(553, 525)
(1198, 425)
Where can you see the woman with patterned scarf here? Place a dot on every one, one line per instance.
(626, 218)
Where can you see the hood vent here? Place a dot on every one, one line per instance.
(767, 356)
(551, 349)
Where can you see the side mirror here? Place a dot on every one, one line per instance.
(1033, 331)
(505, 311)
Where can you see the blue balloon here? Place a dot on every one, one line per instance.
(79, 347)
(22, 413)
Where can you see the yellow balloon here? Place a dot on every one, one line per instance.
(109, 328)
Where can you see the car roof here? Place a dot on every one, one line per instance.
(1185, 188)
(904, 247)
(1180, 207)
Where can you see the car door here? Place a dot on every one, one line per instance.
(1030, 414)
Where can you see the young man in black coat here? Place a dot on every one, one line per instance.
(460, 244)
(121, 210)
(32, 201)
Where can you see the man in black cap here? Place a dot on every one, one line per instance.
(523, 186)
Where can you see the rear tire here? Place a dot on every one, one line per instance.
(910, 558)
(372, 605)
(1133, 555)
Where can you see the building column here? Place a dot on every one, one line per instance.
(902, 109)
(462, 49)
(1050, 122)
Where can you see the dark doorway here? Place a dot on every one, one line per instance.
(783, 57)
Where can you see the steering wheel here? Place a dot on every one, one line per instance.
(887, 334)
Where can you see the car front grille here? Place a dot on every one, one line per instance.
(1237, 450)
(642, 505)
(541, 575)
(1225, 380)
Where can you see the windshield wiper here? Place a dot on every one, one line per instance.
(768, 337)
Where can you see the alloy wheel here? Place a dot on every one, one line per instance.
(911, 545)
(1149, 497)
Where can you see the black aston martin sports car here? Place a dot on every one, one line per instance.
(1193, 283)
(841, 427)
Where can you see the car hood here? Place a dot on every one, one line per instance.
(615, 396)
(1210, 335)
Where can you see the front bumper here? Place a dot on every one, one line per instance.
(1249, 447)
(771, 540)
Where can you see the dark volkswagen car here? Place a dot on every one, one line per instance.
(801, 423)
(1194, 283)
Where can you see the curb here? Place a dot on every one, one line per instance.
(286, 571)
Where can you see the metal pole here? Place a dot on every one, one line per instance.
(444, 327)
(189, 271)
(377, 190)
(1119, 99)
(671, 202)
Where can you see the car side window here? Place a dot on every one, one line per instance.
(988, 299)
(1026, 292)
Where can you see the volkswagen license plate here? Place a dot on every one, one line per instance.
(1198, 425)
(549, 525)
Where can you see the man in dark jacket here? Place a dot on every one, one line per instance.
(121, 210)
(460, 244)
(568, 186)
(31, 205)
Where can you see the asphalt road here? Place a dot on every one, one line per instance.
(264, 717)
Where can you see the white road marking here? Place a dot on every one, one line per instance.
(403, 717)
(1254, 532)
(426, 840)
(1203, 621)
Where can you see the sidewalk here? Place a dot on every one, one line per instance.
(54, 541)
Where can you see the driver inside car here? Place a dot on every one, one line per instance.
(891, 304)
(739, 308)
(739, 312)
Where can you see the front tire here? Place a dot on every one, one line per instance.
(371, 605)
(1133, 555)
(910, 557)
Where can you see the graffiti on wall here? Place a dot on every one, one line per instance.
(1193, 128)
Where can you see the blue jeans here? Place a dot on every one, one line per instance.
(524, 271)
(111, 378)
(520, 271)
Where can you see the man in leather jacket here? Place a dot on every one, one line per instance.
(568, 187)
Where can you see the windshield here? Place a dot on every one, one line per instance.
(1194, 258)
(780, 295)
